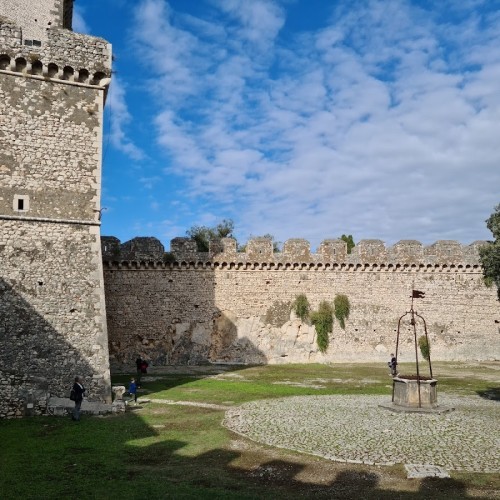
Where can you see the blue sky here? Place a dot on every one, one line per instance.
(301, 118)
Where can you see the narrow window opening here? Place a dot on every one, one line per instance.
(21, 203)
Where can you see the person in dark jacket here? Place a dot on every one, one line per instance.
(138, 364)
(79, 391)
(393, 365)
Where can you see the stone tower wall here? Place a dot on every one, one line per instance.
(226, 306)
(52, 310)
(35, 17)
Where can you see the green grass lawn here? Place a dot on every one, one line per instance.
(173, 451)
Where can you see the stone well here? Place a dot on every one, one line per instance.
(406, 393)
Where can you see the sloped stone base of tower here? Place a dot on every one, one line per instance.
(52, 325)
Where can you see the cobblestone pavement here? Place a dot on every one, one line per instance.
(355, 429)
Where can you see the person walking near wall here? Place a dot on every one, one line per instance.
(79, 390)
(132, 389)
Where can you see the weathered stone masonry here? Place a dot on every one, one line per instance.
(52, 310)
(226, 306)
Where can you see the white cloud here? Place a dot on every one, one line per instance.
(259, 20)
(79, 23)
(383, 124)
(150, 182)
(120, 117)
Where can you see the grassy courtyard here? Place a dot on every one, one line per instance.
(160, 450)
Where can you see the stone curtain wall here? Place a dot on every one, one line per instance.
(52, 309)
(231, 307)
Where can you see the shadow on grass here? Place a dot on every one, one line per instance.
(137, 456)
(214, 475)
(492, 393)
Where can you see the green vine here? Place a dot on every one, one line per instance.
(488, 281)
(301, 307)
(425, 347)
(342, 309)
(322, 319)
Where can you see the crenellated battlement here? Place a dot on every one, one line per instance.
(367, 255)
(65, 55)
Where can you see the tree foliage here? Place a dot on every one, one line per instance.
(342, 309)
(350, 242)
(203, 235)
(322, 319)
(301, 307)
(490, 254)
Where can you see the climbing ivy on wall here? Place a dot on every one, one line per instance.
(322, 319)
(301, 307)
(425, 347)
(342, 309)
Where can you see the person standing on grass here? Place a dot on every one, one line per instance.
(132, 389)
(393, 365)
(138, 364)
(79, 391)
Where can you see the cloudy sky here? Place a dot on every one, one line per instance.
(301, 118)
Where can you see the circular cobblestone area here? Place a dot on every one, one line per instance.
(355, 429)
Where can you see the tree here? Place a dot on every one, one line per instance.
(203, 235)
(490, 254)
(350, 242)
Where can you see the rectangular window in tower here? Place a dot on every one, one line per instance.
(21, 203)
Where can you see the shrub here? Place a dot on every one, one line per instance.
(301, 307)
(342, 309)
(425, 348)
(322, 319)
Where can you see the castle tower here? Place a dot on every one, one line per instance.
(53, 84)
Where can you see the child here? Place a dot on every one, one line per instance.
(132, 389)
